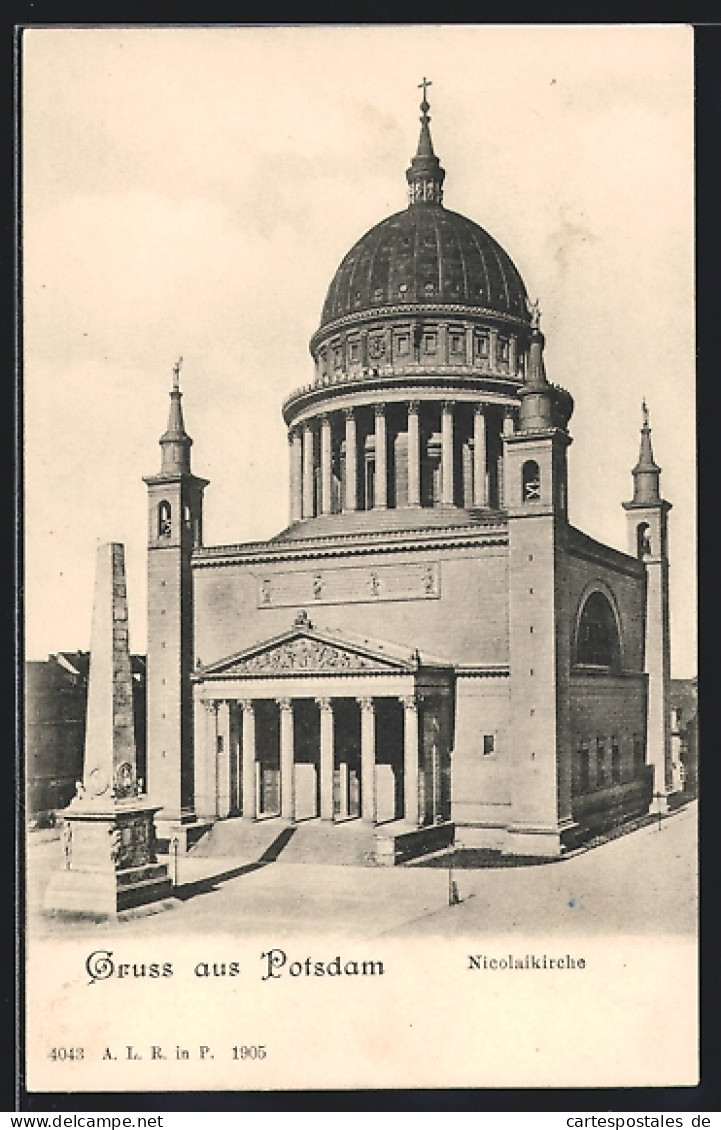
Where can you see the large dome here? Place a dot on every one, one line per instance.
(427, 356)
(426, 255)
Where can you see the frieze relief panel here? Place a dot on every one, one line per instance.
(354, 585)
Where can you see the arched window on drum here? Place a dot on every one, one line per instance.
(597, 638)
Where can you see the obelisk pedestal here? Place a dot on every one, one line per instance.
(108, 832)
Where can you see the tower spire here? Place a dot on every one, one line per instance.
(425, 176)
(536, 393)
(175, 443)
(646, 473)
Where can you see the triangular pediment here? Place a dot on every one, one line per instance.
(304, 651)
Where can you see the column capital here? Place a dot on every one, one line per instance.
(414, 407)
(293, 433)
(479, 409)
(409, 702)
(324, 418)
(448, 405)
(325, 704)
(285, 704)
(247, 705)
(380, 410)
(366, 704)
(210, 705)
(349, 413)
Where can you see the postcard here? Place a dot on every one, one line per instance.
(360, 728)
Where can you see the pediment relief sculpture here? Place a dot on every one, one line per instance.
(304, 655)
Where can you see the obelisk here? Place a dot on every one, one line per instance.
(108, 830)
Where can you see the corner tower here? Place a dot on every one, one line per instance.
(536, 502)
(647, 517)
(175, 529)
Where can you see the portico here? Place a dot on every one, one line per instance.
(312, 725)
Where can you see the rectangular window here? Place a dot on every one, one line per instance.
(457, 343)
(353, 350)
(429, 343)
(615, 761)
(489, 744)
(481, 345)
(402, 345)
(584, 769)
(601, 776)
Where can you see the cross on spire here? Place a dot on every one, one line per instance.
(176, 374)
(644, 409)
(425, 84)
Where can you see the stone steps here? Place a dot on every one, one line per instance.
(350, 843)
(244, 839)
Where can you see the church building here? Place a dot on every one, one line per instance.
(429, 652)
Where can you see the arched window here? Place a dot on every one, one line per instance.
(165, 527)
(531, 481)
(643, 541)
(597, 642)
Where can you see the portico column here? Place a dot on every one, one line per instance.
(249, 786)
(223, 745)
(200, 739)
(351, 461)
(206, 765)
(480, 490)
(410, 759)
(307, 471)
(381, 476)
(287, 760)
(447, 454)
(326, 758)
(414, 454)
(368, 759)
(325, 464)
(508, 430)
(296, 474)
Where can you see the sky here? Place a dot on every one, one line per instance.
(190, 191)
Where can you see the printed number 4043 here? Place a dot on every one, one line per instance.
(62, 1054)
(249, 1051)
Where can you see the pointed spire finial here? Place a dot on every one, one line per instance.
(425, 176)
(646, 473)
(175, 442)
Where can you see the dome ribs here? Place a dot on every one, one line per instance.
(502, 273)
(425, 256)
